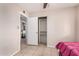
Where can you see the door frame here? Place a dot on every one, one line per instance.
(20, 13)
(38, 31)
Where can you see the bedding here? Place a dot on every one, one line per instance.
(68, 50)
(65, 48)
(60, 44)
(75, 52)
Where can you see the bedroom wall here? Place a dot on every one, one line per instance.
(9, 29)
(77, 25)
(60, 25)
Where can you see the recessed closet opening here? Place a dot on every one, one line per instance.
(42, 30)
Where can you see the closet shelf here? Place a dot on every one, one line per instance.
(43, 31)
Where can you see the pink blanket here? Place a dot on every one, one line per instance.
(75, 52)
(68, 50)
(65, 48)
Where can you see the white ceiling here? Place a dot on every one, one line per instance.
(36, 7)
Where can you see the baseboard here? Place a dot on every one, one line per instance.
(50, 46)
(15, 53)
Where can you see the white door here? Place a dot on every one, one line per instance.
(32, 36)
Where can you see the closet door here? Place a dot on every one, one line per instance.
(32, 37)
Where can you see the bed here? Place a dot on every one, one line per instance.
(68, 48)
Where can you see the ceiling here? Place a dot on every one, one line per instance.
(36, 7)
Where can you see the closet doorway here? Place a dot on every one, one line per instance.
(42, 30)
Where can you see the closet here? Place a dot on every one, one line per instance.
(42, 29)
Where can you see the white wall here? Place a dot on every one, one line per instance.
(60, 25)
(9, 29)
(10, 33)
(77, 25)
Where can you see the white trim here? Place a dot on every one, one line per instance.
(20, 13)
(51, 46)
(23, 14)
(15, 53)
